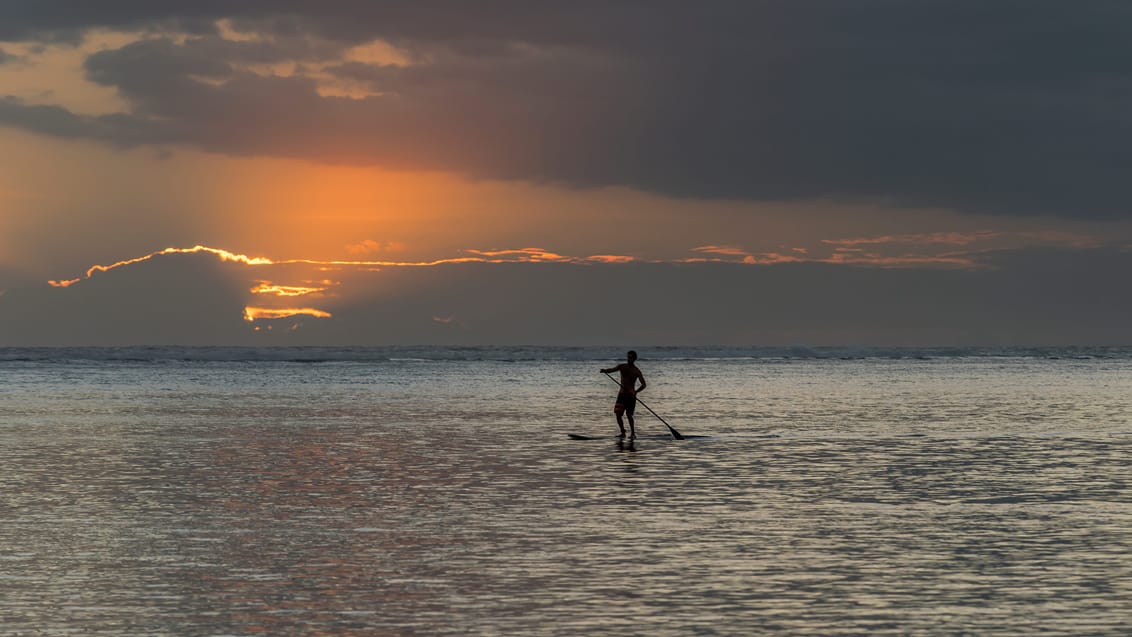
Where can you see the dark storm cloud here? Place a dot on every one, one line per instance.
(117, 129)
(1004, 106)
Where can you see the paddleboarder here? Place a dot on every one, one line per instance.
(627, 396)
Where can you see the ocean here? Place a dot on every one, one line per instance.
(434, 491)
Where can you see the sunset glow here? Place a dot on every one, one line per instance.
(378, 162)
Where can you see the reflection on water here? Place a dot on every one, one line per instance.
(832, 498)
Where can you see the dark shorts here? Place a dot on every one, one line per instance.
(626, 401)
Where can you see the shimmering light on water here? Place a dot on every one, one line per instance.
(219, 494)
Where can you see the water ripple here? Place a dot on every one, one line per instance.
(302, 505)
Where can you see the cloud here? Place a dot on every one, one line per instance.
(223, 255)
(267, 287)
(522, 255)
(846, 253)
(1038, 237)
(729, 251)
(1030, 296)
(610, 258)
(966, 250)
(539, 255)
(178, 298)
(252, 314)
(1006, 107)
(945, 238)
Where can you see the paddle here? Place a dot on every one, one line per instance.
(675, 434)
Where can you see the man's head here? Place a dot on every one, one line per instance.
(632, 356)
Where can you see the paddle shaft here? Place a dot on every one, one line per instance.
(675, 434)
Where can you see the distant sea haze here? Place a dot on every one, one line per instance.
(313, 354)
(424, 490)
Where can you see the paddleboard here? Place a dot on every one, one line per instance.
(652, 437)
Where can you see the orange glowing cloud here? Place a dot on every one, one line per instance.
(609, 258)
(267, 287)
(749, 258)
(771, 258)
(722, 250)
(846, 252)
(523, 255)
(931, 238)
(855, 257)
(540, 255)
(257, 313)
(1055, 238)
(223, 255)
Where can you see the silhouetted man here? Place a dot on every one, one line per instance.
(627, 397)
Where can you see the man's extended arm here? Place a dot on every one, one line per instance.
(611, 370)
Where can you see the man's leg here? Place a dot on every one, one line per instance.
(632, 427)
(621, 424)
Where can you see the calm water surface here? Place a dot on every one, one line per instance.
(434, 492)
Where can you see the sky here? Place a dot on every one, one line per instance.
(652, 172)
